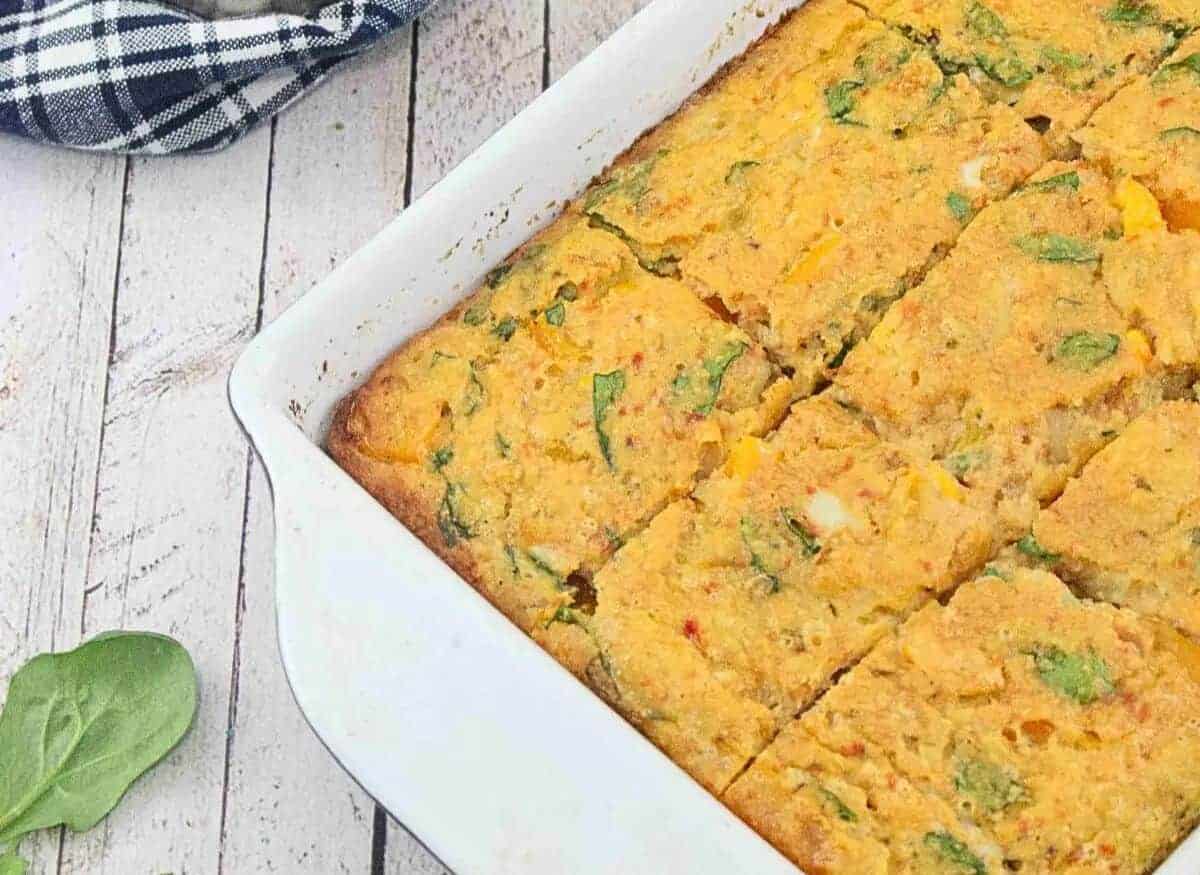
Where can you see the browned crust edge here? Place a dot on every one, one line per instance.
(410, 508)
(419, 514)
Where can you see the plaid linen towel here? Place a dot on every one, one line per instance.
(139, 77)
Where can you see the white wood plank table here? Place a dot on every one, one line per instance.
(131, 499)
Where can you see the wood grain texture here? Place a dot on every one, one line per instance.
(338, 172)
(133, 500)
(172, 480)
(479, 63)
(58, 255)
(577, 26)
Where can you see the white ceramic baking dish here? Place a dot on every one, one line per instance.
(497, 758)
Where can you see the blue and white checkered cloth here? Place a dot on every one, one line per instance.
(136, 76)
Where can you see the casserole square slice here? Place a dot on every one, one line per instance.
(1043, 335)
(1151, 131)
(1053, 735)
(1128, 530)
(548, 417)
(805, 197)
(737, 607)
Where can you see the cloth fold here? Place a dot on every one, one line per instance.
(144, 78)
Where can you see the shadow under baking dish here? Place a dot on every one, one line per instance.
(495, 756)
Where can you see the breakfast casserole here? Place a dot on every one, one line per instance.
(777, 436)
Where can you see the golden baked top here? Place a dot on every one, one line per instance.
(527, 433)
(1053, 62)
(735, 609)
(1030, 346)
(1060, 734)
(806, 200)
(1151, 130)
(1128, 530)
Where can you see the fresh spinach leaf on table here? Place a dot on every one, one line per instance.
(80, 727)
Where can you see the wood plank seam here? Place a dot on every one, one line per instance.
(168, 550)
(112, 345)
(112, 348)
(412, 113)
(239, 609)
(379, 842)
(545, 45)
(343, 148)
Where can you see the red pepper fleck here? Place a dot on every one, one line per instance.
(1139, 709)
(1039, 731)
(927, 565)
(1108, 850)
(854, 749)
(695, 417)
(638, 358)
(691, 628)
(811, 490)
(1130, 636)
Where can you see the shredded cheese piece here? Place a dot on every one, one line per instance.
(970, 172)
(825, 511)
(946, 484)
(744, 458)
(1140, 212)
(1140, 344)
(808, 266)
